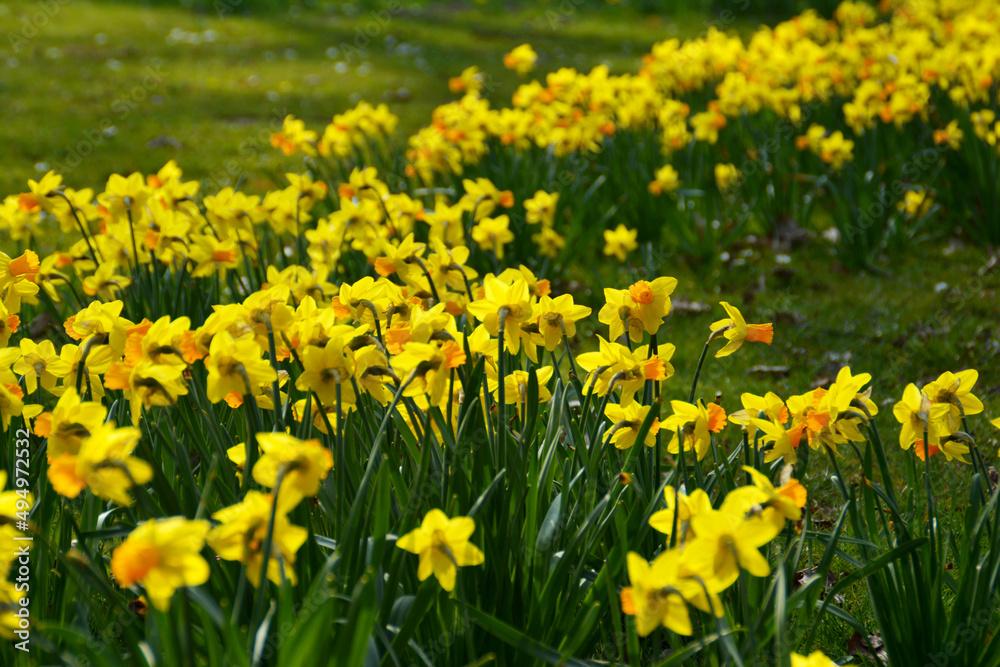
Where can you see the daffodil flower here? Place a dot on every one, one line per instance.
(728, 541)
(694, 422)
(814, 659)
(104, 464)
(243, 529)
(783, 441)
(918, 415)
(443, 546)
(657, 595)
(627, 420)
(736, 330)
(955, 391)
(303, 464)
(162, 555)
(686, 507)
(620, 241)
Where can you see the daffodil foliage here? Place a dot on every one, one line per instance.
(354, 421)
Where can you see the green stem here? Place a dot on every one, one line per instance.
(931, 509)
(697, 371)
(279, 418)
(266, 551)
(501, 397)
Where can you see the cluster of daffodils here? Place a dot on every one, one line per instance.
(165, 554)
(922, 71)
(933, 417)
(304, 348)
(327, 307)
(707, 550)
(886, 68)
(921, 68)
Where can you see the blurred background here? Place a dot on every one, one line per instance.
(126, 86)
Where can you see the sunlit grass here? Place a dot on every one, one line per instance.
(208, 91)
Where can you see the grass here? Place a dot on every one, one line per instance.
(931, 313)
(211, 106)
(209, 90)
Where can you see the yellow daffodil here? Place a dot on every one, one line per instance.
(955, 391)
(835, 150)
(294, 137)
(626, 422)
(17, 279)
(814, 659)
(443, 546)
(521, 59)
(556, 318)
(493, 234)
(694, 423)
(469, 81)
(728, 541)
(541, 209)
(243, 529)
(787, 499)
(549, 242)
(727, 177)
(996, 424)
(303, 464)
(918, 415)
(951, 134)
(770, 404)
(105, 281)
(620, 241)
(162, 555)
(736, 331)
(235, 366)
(657, 595)
(666, 180)
(326, 368)
(783, 441)
(686, 507)
(39, 363)
(516, 385)
(104, 464)
(482, 197)
(512, 300)
(70, 423)
(431, 365)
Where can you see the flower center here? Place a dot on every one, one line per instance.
(132, 561)
(641, 292)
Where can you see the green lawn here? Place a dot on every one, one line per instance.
(103, 88)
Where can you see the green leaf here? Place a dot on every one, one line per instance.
(521, 641)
